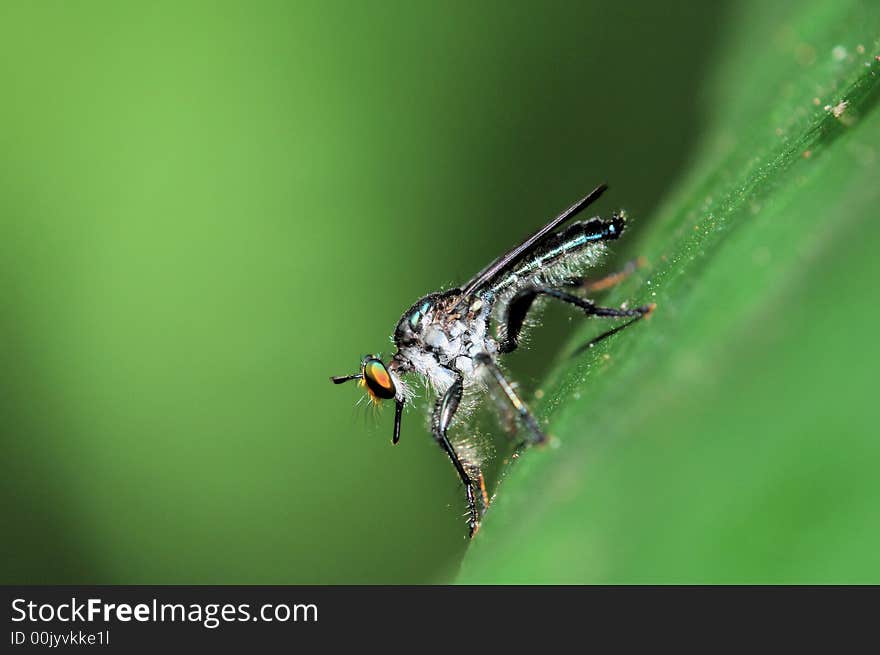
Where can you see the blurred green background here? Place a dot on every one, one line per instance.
(208, 209)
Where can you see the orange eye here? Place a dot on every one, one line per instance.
(377, 379)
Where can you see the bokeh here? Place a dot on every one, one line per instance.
(208, 209)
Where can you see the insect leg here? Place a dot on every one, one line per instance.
(519, 307)
(592, 342)
(444, 411)
(484, 359)
(610, 280)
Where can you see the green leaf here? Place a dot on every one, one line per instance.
(731, 437)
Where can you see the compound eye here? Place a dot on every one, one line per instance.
(378, 379)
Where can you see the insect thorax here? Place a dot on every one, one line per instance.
(442, 333)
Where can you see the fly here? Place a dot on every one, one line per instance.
(453, 339)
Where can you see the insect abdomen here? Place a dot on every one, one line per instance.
(579, 245)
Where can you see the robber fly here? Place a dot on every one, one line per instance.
(453, 339)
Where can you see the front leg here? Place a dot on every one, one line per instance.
(444, 411)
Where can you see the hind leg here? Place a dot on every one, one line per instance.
(519, 307)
